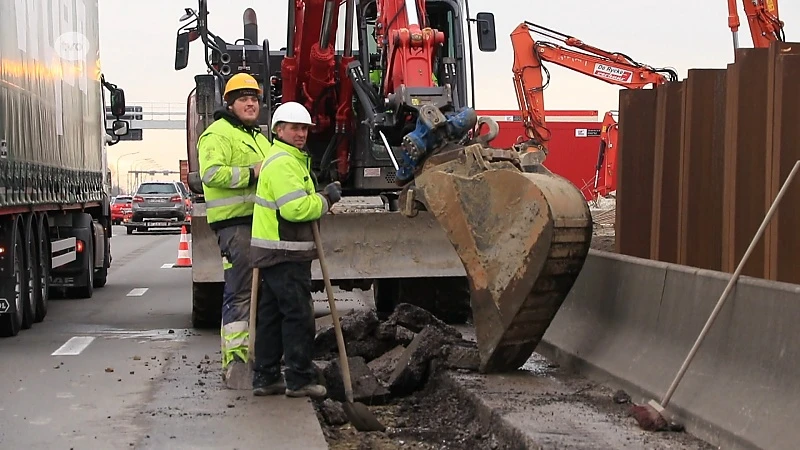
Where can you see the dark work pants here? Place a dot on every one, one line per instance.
(285, 326)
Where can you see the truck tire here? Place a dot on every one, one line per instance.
(207, 305)
(87, 291)
(31, 251)
(101, 277)
(11, 322)
(43, 296)
(445, 297)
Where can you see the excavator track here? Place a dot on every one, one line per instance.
(522, 236)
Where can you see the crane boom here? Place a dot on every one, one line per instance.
(531, 77)
(763, 20)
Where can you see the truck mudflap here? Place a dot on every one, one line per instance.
(522, 238)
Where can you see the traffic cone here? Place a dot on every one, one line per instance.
(184, 258)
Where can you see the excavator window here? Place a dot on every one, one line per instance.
(439, 15)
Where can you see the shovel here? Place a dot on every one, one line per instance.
(357, 413)
(241, 376)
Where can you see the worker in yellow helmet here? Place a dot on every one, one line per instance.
(230, 153)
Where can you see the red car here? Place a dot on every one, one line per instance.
(121, 209)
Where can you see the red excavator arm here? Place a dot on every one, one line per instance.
(765, 26)
(607, 154)
(531, 77)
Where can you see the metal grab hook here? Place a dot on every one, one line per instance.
(494, 129)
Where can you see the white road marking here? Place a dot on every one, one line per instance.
(74, 346)
(168, 266)
(138, 292)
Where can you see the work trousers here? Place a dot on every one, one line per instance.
(234, 243)
(285, 326)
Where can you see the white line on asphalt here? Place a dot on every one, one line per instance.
(74, 346)
(168, 266)
(138, 292)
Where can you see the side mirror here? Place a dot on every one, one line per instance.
(182, 50)
(119, 127)
(487, 38)
(118, 102)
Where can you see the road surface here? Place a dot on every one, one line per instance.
(124, 369)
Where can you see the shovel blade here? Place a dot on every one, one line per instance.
(361, 417)
(239, 377)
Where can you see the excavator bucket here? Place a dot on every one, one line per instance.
(522, 237)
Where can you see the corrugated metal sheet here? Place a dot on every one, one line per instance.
(702, 160)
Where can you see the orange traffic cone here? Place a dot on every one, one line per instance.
(184, 258)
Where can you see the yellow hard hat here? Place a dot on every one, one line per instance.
(241, 81)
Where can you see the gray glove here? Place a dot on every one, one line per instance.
(333, 192)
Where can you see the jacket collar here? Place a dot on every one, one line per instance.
(290, 149)
(224, 113)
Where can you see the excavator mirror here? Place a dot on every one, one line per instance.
(487, 38)
(182, 50)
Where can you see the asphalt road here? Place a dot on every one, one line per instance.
(124, 369)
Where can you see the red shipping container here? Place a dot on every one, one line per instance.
(573, 146)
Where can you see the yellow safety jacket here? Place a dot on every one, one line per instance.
(286, 203)
(228, 152)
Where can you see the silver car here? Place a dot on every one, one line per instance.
(160, 202)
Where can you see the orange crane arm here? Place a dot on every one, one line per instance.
(763, 19)
(531, 77)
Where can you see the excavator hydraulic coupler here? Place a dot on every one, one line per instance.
(522, 236)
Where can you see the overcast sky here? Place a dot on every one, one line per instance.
(138, 48)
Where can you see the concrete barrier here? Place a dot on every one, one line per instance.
(633, 321)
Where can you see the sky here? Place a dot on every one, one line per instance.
(137, 48)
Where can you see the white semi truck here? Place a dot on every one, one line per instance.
(55, 220)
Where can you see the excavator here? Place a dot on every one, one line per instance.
(763, 20)
(465, 228)
(531, 77)
(765, 28)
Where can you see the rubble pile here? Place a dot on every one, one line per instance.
(392, 358)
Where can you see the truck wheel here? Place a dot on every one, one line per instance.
(445, 297)
(11, 321)
(88, 290)
(128, 230)
(43, 295)
(207, 305)
(100, 277)
(386, 293)
(32, 272)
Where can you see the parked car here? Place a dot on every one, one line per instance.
(120, 208)
(158, 204)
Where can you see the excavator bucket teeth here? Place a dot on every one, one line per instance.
(522, 237)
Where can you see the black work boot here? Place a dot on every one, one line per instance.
(263, 387)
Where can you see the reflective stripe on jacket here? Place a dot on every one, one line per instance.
(286, 203)
(228, 153)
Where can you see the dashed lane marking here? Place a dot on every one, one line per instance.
(74, 346)
(138, 292)
(167, 266)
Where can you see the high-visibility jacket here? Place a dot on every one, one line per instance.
(286, 204)
(228, 152)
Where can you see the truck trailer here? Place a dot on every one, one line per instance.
(55, 215)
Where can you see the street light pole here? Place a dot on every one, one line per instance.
(119, 187)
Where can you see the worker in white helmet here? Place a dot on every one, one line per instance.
(287, 202)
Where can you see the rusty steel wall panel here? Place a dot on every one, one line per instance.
(783, 244)
(664, 227)
(745, 160)
(701, 174)
(635, 172)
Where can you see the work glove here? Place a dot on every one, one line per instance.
(333, 192)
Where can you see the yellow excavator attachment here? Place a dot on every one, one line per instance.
(522, 237)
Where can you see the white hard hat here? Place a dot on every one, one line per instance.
(291, 112)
